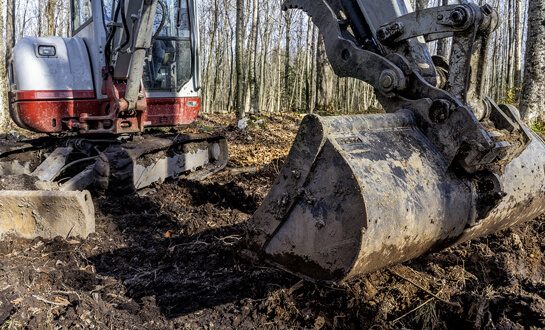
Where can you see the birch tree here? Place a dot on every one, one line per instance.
(10, 31)
(238, 55)
(533, 102)
(4, 117)
(50, 16)
(518, 47)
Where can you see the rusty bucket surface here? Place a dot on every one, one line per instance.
(358, 193)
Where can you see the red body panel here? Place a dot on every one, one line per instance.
(50, 111)
(52, 95)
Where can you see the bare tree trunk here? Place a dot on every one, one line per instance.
(23, 20)
(518, 48)
(287, 18)
(313, 79)
(308, 74)
(251, 88)
(323, 74)
(7, 52)
(238, 59)
(40, 21)
(4, 118)
(50, 16)
(533, 89)
(10, 31)
(254, 61)
(510, 49)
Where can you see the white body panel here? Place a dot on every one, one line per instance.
(79, 60)
(69, 69)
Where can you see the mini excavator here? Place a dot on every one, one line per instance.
(443, 165)
(130, 65)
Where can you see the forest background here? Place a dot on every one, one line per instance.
(282, 64)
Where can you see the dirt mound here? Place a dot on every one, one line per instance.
(173, 258)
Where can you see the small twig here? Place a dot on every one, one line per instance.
(241, 170)
(70, 232)
(51, 302)
(225, 239)
(296, 286)
(426, 290)
(171, 249)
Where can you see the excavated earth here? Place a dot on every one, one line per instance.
(171, 257)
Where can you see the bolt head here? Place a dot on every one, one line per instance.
(381, 34)
(387, 81)
(458, 16)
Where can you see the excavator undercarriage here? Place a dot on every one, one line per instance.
(44, 182)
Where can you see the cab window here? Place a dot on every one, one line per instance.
(108, 9)
(176, 19)
(171, 64)
(176, 24)
(81, 13)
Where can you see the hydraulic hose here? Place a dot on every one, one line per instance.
(125, 25)
(111, 35)
(163, 19)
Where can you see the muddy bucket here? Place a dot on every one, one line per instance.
(358, 193)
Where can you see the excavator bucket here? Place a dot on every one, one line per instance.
(358, 193)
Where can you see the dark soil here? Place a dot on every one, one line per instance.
(172, 257)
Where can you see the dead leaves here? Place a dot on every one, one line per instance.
(253, 147)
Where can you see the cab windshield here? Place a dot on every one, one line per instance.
(170, 67)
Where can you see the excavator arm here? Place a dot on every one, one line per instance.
(130, 36)
(445, 164)
(129, 42)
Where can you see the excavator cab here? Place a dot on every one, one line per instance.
(71, 94)
(443, 165)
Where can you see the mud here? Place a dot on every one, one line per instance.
(172, 257)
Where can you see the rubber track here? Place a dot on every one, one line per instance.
(115, 172)
(115, 166)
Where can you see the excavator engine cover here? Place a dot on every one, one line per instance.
(358, 193)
